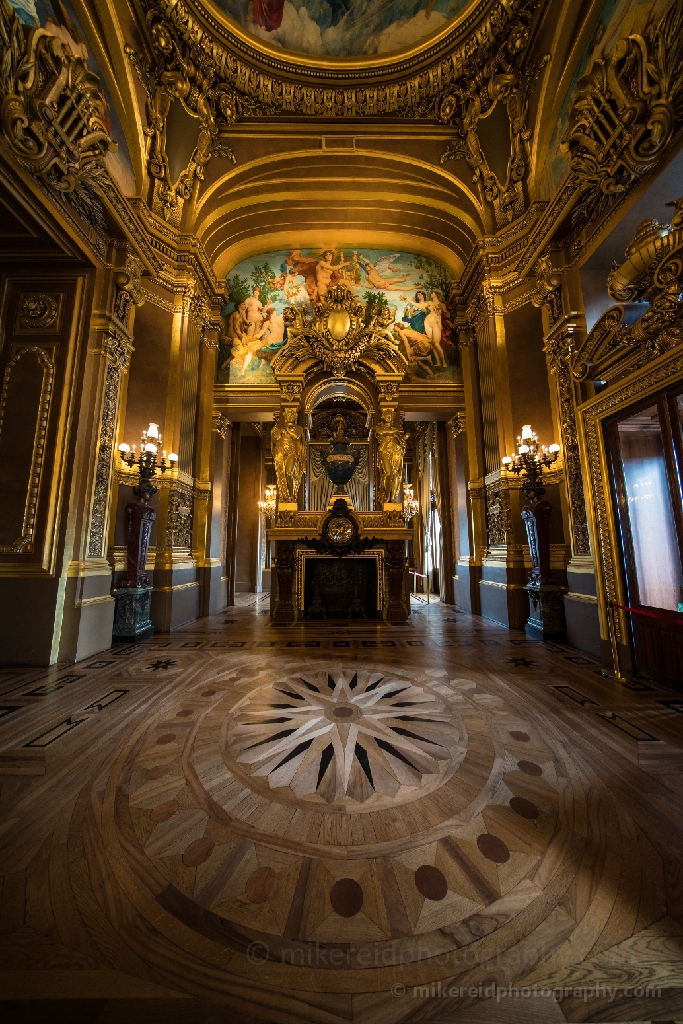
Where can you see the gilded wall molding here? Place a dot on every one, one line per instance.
(24, 543)
(558, 349)
(117, 351)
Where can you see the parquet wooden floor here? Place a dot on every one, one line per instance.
(339, 823)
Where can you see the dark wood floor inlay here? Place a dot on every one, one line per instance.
(525, 808)
(168, 737)
(346, 897)
(430, 882)
(493, 848)
(530, 768)
(521, 736)
(162, 812)
(260, 885)
(197, 852)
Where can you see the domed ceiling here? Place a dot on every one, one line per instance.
(341, 28)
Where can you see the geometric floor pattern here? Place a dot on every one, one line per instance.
(443, 821)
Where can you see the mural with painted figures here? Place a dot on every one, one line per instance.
(342, 28)
(414, 287)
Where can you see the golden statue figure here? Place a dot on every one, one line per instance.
(392, 446)
(289, 456)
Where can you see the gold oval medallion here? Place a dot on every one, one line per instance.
(338, 323)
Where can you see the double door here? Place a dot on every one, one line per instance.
(646, 444)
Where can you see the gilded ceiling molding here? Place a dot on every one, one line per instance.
(237, 78)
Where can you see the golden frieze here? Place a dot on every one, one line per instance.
(218, 61)
(341, 334)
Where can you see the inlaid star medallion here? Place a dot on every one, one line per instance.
(343, 737)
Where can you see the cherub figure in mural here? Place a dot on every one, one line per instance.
(391, 443)
(374, 273)
(289, 455)
(291, 287)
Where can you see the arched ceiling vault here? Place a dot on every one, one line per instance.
(304, 199)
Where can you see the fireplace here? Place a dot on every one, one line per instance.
(340, 588)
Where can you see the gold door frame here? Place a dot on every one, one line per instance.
(661, 373)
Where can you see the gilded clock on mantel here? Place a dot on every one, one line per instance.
(343, 29)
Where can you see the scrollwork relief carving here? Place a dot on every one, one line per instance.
(53, 110)
(624, 113)
(118, 353)
(179, 528)
(38, 311)
(498, 514)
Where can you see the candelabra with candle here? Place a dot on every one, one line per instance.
(546, 618)
(132, 621)
(410, 503)
(269, 506)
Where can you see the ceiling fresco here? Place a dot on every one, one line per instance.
(342, 28)
(413, 287)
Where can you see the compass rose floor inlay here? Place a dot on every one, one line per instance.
(314, 831)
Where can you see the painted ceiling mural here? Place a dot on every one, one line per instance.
(413, 287)
(59, 18)
(342, 28)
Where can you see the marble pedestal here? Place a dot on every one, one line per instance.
(546, 612)
(132, 621)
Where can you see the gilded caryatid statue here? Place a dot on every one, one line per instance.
(289, 456)
(391, 442)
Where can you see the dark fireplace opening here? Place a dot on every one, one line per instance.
(340, 588)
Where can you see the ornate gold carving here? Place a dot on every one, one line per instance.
(24, 543)
(128, 288)
(39, 311)
(118, 353)
(179, 526)
(289, 456)
(239, 85)
(547, 292)
(53, 110)
(623, 113)
(458, 423)
(498, 514)
(626, 337)
(291, 391)
(391, 449)
(558, 348)
(222, 425)
(178, 72)
(341, 334)
(388, 391)
(497, 78)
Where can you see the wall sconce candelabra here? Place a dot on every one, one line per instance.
(530, 461)
(133, 596)
(147, 461)
(269, 506)
(410, 503)
(546, 618)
